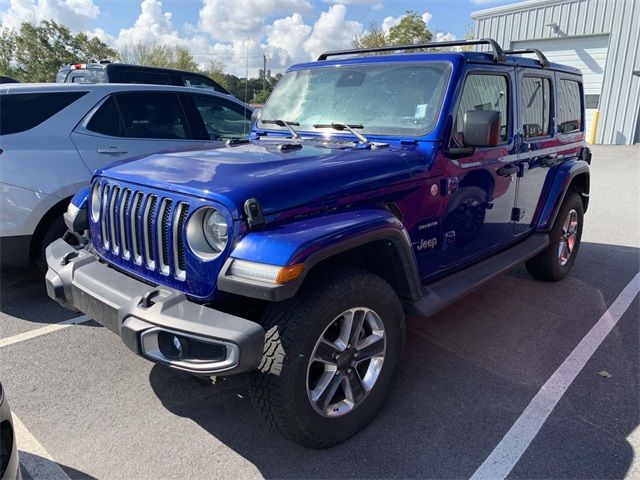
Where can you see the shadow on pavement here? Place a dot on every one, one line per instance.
(23, 295)
(40, 467)
(466, 375)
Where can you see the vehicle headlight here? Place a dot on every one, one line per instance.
(95, 202)
(207, 233)
(215, 229)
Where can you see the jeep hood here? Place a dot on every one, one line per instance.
(281, 180)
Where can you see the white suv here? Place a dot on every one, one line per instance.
(54, 136)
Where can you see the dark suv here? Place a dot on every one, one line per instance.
(107, 72)
(372, 186)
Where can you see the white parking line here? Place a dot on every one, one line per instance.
(507, 453)
(21, 337)
(33, 456)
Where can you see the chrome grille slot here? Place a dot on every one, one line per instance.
(103, 217)
(162, 227)
(123, 213)
(138, 198)
(143, 228)
(147, 226)
(179, 218)
(115, 248)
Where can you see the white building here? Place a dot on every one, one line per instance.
(600, 37)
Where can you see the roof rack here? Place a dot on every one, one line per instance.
(498, 53)
(541, 58)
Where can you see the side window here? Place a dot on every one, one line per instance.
(198, 82)
(106, 120)
(223, 118)
(24, 111)
(484, 92)
(152, 115)
(146, 77)
(569, 107)
(535, 106)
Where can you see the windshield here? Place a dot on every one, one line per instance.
(386, 99)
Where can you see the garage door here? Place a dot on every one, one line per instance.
(588, 54)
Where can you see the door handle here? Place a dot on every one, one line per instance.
(508, 170)
(111, 151)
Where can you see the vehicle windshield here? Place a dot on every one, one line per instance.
(385, 98)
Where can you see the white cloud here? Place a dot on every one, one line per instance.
(426, 18)
(285, 38)
(389, 22)
(332, 31)
(245, 18)
(443, 37)
(75, 14)
(375, 5)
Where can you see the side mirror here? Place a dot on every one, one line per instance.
(481, 128)
(255, 115)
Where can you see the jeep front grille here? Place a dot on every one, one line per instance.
(143, 228)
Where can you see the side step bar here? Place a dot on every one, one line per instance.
(442, 293)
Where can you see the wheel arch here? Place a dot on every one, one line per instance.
(572, 175)
(373, 239)
(55, 211)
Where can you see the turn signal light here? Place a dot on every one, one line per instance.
(289, 274)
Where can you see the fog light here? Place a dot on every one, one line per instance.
(172, 346)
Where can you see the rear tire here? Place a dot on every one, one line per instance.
(292, 388)
(554, 262)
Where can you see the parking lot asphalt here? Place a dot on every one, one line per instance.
(466, 376)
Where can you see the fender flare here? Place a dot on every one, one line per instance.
(312, 240)
(566, 172)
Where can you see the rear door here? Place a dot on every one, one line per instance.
(537, 141)
(132, 124)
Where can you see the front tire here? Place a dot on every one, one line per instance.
(554, 262)
(329, 357)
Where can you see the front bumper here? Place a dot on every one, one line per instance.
(149, 319)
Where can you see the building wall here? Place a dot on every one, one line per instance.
(620, 19)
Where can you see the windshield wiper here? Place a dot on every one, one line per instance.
(343, 126)
(284, 123)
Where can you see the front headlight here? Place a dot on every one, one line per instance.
(207, 233)
(215, 229)
(95, 202)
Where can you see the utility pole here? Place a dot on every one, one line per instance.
(264, 72)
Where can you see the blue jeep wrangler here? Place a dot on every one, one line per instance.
(372, 186)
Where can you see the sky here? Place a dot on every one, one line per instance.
(234, 31)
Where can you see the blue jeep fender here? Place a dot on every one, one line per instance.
(312, 240)
(565, 174)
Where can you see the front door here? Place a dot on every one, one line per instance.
(537, 143)
(480, 189)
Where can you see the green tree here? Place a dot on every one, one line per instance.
(183, 60)
(7, 47)
(36, 52)
(373, 37)
(215, 70)
(155, 54)
(260, 97)
(411, 30)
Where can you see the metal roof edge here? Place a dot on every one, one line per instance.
(487, 12)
